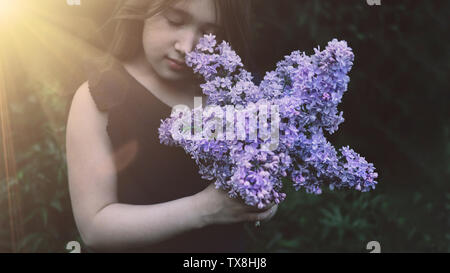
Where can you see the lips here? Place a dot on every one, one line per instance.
(176, 64)
(176, 61)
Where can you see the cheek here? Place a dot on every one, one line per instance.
(155, 49)
(156, 38)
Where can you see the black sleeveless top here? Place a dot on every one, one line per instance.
(149, 172)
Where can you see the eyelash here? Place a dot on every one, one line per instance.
(174, 23)
(177, 24)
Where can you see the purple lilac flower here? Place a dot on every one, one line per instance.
(307, 90)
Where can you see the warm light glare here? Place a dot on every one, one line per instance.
(8, 10)
(39, 46)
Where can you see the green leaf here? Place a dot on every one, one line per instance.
(57, 205)
(44, 214)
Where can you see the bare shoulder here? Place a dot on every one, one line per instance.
(86, 124)
(83, 105)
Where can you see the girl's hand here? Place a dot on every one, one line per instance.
(218, 208)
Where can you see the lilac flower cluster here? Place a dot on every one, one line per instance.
(307, 90)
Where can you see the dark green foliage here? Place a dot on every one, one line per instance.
(397, 116)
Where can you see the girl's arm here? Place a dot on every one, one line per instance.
(106, 225)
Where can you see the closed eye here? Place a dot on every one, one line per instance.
(174, 18)
(174, 22)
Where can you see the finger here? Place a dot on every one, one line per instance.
(252, 217)
(272, 213)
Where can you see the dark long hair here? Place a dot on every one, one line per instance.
(129, 16)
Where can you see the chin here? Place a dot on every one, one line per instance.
(173, 76)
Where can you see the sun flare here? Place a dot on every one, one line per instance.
(40, 43)
(9, 11)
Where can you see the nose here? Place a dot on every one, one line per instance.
(186, 42)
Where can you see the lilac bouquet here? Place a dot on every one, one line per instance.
(297, 103)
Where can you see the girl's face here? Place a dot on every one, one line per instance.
(169, 35)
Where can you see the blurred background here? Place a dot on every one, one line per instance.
(396, 114)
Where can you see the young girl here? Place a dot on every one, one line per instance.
(128, 191)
